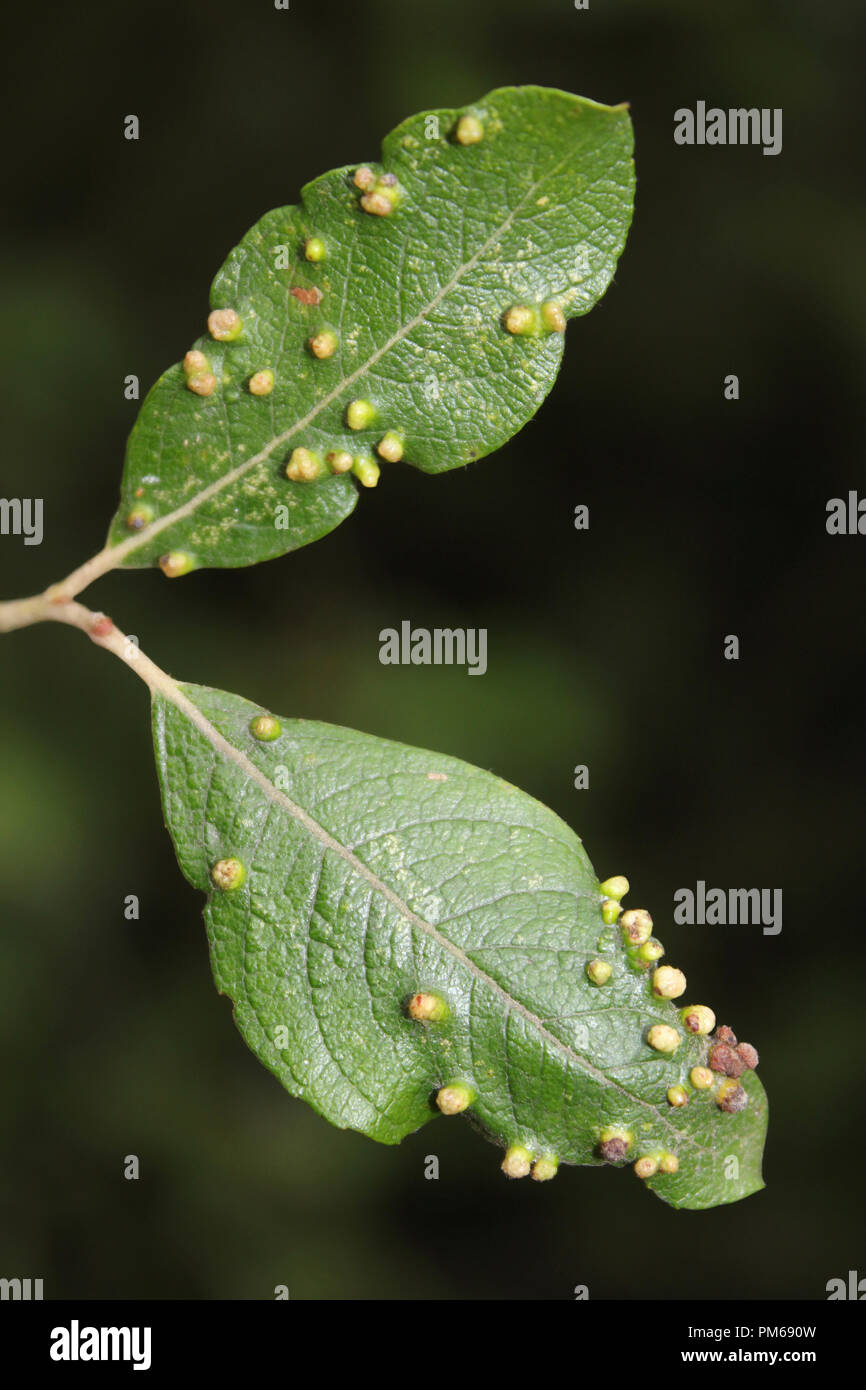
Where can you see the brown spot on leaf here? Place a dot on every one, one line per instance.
(313, 296)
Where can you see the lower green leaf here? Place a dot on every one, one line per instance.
(403, 934)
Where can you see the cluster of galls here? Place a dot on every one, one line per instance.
(616, 1145)
(305, 465)
(458, 1095)
(727, 1058)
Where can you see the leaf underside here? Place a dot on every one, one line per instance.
(375, 870)
(537, 210)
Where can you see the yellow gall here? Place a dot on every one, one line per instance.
(367, 471)
(195, 363)
(364, 178)
(677, 1096)
(314, 248)
(469, 131)
(339, 461)
(324, 344)
(647, 1166)
(427, 1008)
(517, 1161)
(227, 875)
(636, 925)
(599, 971)
(663, 1038)
(668, 982)
(265, 727)
(261, 383)
(454, 1099)
(543, 1169)
(224, 324)
(615, 887)
(203, 384)
(552, 316)
(520, 319)
(668, 1163)
(697, 1018)
(303, 466)
(377, 204)
(614, 1144)
(610, 910)
(701, 1078)
(390, 447)
(360, 414)
(175, 563)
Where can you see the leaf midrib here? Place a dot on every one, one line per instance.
(143, 537)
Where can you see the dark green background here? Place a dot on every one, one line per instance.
(707, 518)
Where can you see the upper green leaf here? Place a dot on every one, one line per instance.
(356, 873)
(522, 200)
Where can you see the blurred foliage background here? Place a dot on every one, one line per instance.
(707, 518)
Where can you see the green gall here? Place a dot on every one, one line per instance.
(521, 319)
(678, 1096)
(615, 887)
(390, 447)
(517, 1161)
(339, 461)
(636, 925)
(668, 982)
(543, 1169)
(225, 325)
(367, 471)
(303, 466)
(454, 1099)
(427, 1008)
(139, 517)
(227, 875)
(647, 1166)
(610, 910)
(469, 131)
(663, 1038)
(360, 415)
(599, 971)
(701, 1078)
(615, 1144)
(650, 950)
(261, 383)
(697, 1018)
(552, 316)
(324, 344)
(176, 563)
(265, 727)
(314, 248)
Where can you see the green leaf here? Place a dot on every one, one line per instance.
(534, 212)
(358, 873)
